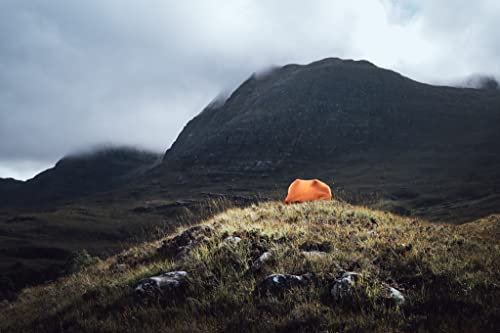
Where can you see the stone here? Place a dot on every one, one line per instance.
(276, 283)
(396, 296)
(161, 284)
(261, 260)
(342, 286)
(232, 239)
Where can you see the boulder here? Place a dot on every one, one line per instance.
(161, 285)
(274, 284)
(261, 260)
(396, 296)
(342, 287)
(232, 240)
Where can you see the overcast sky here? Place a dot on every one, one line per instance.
(75, 74)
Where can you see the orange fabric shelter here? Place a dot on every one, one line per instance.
(307, 190)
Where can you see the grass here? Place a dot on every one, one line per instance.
(450, 276)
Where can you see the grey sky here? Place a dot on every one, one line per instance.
(75, 74)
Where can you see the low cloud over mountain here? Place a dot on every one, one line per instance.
(74, 75)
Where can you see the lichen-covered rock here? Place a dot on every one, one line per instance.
(232, 240)
(276, 283)
(261, 260)
(396, 296)
(343, 290)
(161, 285)
(342, 286)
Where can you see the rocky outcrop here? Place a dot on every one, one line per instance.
(183, 243)
(343, 290)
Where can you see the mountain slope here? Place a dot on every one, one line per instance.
(79, 175)
(425, 150)
(447, 277)
(332, 108)
(8, 184)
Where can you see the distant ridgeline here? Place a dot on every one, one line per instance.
(79, 175)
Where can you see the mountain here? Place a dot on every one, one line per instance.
(9, 184)
(423, 150)
(79, 175)
(312, 267)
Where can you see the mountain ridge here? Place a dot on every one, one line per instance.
(339, 81)
(78, 175)
(356, 123)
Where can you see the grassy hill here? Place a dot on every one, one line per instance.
(449, 277)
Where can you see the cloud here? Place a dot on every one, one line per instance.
(77, 74)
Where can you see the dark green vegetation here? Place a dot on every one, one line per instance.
(449, 275)
(382, 140)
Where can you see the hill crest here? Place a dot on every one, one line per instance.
(226, 272)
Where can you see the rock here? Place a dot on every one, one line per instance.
(183, 243)
(342, 286)
(276, 283)
(232, 239)
(396, 296)
(260, 261)
(162, 284)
